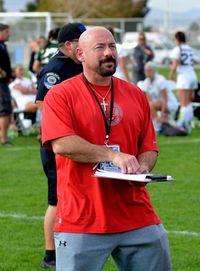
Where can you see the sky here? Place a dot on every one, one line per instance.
(173, 5)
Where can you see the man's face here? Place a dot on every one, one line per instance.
(19, 71)
(5, 34)
(99, 53)
(73, 45)
(149, 72)
(141, 40)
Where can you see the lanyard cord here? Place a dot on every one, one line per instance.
(106, 123)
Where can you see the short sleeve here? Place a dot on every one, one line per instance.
(121, 51)
(175, 54)
(162, 83)
(45, 83)
(56, 117)
(143, 85)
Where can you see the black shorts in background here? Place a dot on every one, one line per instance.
(49, 166)
(5, 100)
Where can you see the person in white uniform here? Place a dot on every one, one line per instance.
(163, 102)
(182, 64)
(23, 91)
(123, 60)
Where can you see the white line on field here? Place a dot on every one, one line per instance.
(24, 216)
(20, 216)
(190, 233)
(167, 142)
(13, 149)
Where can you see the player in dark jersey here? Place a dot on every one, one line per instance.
(61, 67)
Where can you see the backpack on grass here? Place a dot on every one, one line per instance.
(169, 130)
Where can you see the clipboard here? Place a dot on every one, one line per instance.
(148, 178)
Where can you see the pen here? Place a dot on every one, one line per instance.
(95, 166)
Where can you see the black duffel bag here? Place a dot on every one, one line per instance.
(169, 130)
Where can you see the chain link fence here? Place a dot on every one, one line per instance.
(26, 26)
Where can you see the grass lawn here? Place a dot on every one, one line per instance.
(23, 202)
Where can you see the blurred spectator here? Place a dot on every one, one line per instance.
(163, 102)
(47, 52)
(35, 47)
(123, 59)
(5, 76)
(42, 41)
(23, 91)
(182, 64)
(142, 53)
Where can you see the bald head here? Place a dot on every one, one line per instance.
(150, 70)
(95, 34)
(150, 65)
(97, 51)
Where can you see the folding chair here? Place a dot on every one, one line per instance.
(25, 122)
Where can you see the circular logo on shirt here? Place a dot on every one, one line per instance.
(51, 79)
(117, 114)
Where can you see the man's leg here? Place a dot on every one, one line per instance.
(4, 124)
(84, 252)
(143, 249)
(49, 166)
(49, 221)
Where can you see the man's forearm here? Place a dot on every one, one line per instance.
(80, 150)
(147, 160)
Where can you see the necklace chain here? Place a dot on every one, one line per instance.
(103, 104)
(103, 98)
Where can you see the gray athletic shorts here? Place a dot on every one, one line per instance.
(145, 249)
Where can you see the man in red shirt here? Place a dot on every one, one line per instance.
(96, 118)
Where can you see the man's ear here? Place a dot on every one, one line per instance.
(67, 44)
(79, 54)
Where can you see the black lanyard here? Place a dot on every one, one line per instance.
(106, 123)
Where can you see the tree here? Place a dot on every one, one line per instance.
(139, 8)
(2, 6)
(93, 9)
(194, 26)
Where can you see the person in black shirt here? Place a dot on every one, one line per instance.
(5, 76)
(62, 66)
(141, 55)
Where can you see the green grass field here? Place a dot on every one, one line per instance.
(23, 194)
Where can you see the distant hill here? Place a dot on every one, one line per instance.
(184, 19)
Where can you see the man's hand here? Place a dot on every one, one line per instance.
(2, 73)
(128, 163)
(18, 86)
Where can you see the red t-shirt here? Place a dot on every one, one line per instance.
(87, 204)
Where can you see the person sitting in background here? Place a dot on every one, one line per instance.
(47, 52)
(163, 102)
(23, 91)
(142, 54)
(123, 59)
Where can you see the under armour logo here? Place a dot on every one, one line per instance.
(62, 244)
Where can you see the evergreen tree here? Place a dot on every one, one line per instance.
(93, 9)
(2, 6)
